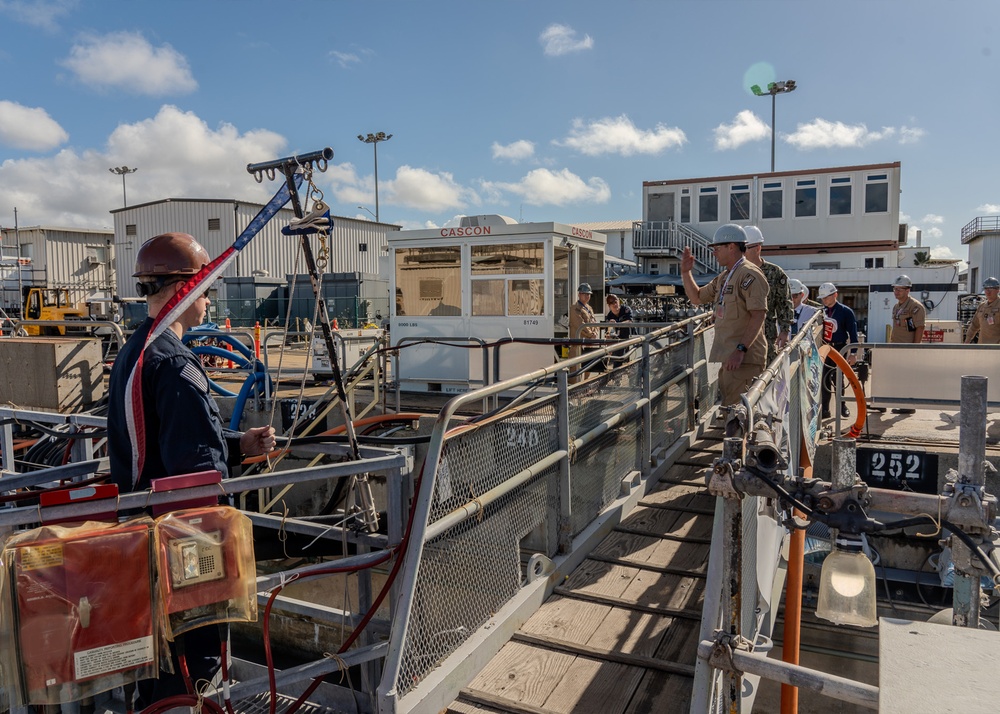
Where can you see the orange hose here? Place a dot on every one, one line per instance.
(793, 597)
(862, 407)
(377, 419)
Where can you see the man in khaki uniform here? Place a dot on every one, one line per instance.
(986, 321)
(908, 314)
(580, 313)
(739, 298)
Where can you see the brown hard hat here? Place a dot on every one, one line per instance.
(170, 254)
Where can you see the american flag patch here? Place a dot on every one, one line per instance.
(195, 376)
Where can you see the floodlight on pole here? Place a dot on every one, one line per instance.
(123, 171)
(773, 90)
(374, 139)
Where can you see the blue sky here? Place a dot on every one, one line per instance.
(543, 110)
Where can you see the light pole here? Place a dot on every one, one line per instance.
(365, 208)
(123, 171)
(774, 89)
(374, 139)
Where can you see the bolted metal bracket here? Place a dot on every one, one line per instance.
(721, 479)
(722, 651)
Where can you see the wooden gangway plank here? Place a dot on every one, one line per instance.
(620, 634)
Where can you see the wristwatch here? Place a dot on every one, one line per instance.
(741, 347)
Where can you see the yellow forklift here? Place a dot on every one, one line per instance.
(49, 304)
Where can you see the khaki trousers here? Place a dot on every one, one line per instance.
(733, 384)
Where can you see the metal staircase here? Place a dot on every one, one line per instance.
(669, 238)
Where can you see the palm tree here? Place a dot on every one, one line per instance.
(922, 257)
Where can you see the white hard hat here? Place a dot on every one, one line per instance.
(729, 233)
(754, 236)
(903, 281)
(796, 286)
(991, 283)
(826, 290)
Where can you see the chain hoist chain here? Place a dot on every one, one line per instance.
(315, 195)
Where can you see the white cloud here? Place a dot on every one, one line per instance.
(75, 189)
(823, 134)
(943, 252)
(345, 59)
(618, 135)
(910, 134)
(126, 60)
(932, 218)
(559, 40)
(543, 187)
(988, 208)
(426, 191)
(38, 13)
(904, 217)
(29, 128)
(515, 151)
(746, 127)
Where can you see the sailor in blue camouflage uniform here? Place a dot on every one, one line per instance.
(780, 315)
(183, 426)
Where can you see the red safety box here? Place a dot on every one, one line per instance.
(81, 603)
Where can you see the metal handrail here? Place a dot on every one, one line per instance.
(116, 328)
(672, 237)
(423, 531)
(977, 226)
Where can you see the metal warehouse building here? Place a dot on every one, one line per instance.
(78, 259)
(356, 245)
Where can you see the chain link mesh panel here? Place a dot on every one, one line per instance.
(748, 576)
(670, 416)
(666, 360)
(597, 471)
(705, 388)
(482, 458)
(466, 575)
(600, 399)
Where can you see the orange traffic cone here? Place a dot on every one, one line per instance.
(229, 345)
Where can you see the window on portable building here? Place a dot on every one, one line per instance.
(771, 199)
(739, 203)
(877, 193)
(708, 205)
(685, 206)
(805, 198)
(840, 196)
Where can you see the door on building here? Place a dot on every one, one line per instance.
(661, 207)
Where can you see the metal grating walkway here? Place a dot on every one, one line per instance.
(620, 635)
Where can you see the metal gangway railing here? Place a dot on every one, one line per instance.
(368, 549)
(497, 499)
(670, 238)
(505, 499)
(765, 479)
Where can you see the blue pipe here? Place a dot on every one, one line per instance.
(223, 353)
(241, 400)
(237, 344)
